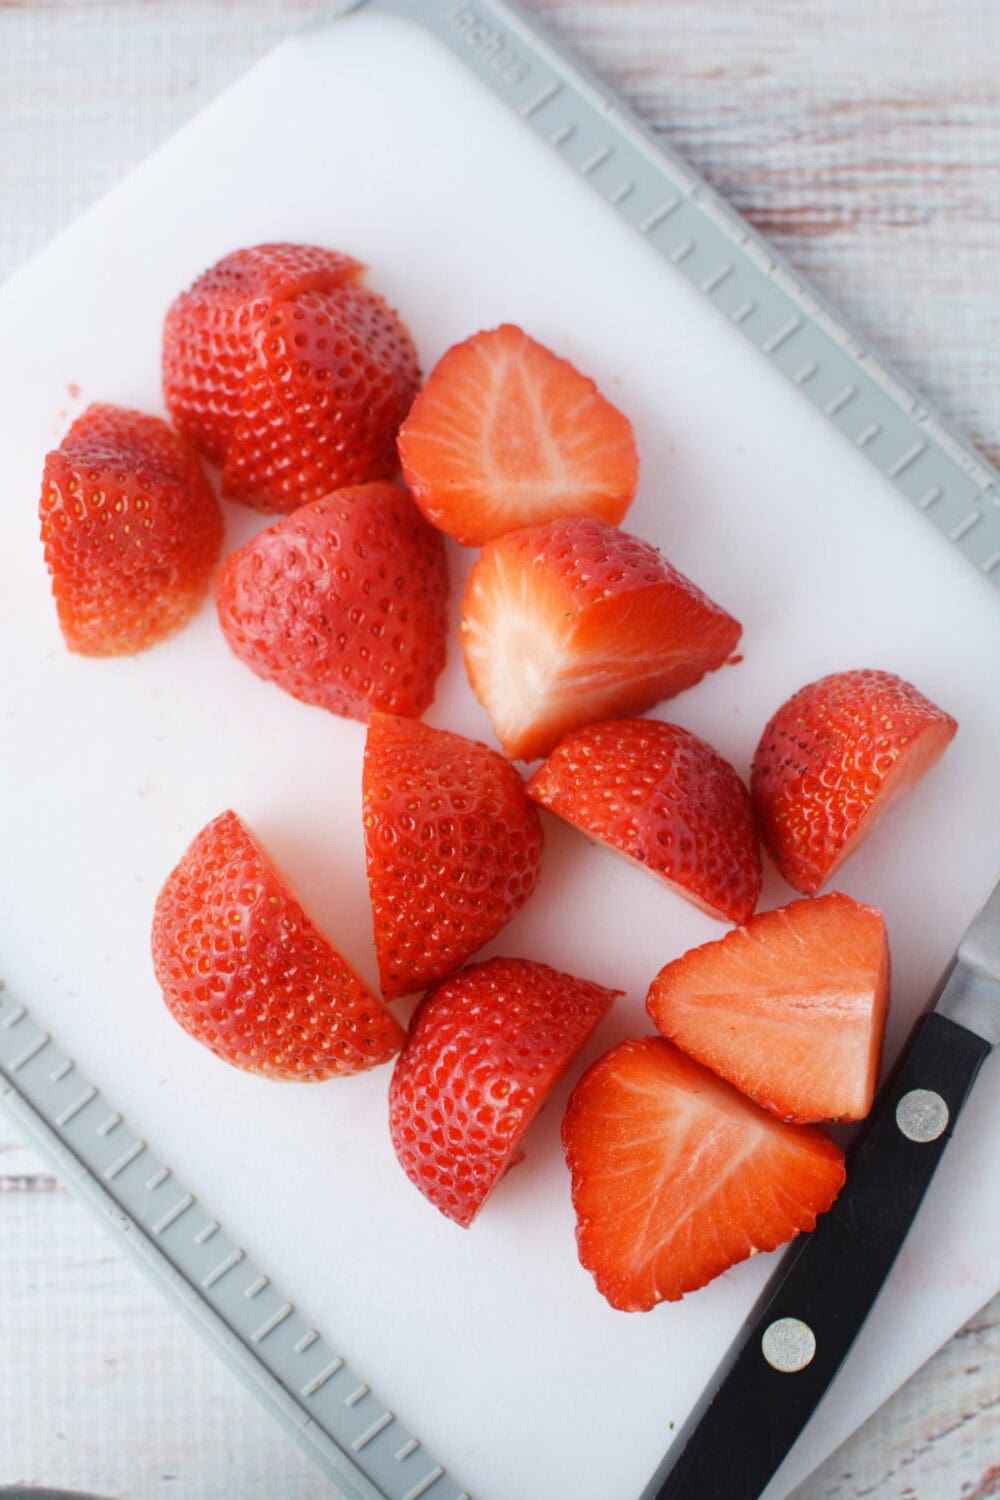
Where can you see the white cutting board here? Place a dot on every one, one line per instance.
(491, 1344)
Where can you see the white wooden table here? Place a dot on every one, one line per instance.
(864, 137)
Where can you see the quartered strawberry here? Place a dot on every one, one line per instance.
(666, 799)
(342, 603)
(832, 760)
(789, 1008)
(131, 530)
(575, 621)
(246, 972)
(484, 1049)
(506, 434)
(288, 373)
(454, 848)
(676, 1177)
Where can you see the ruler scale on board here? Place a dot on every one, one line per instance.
(303, 1381)
(311, 1389)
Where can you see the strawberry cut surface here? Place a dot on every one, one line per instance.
(832, 760)
(675, 1176)
(247, 973)
(506, 434)
(453, 848)
(288, 373)
(343, 603)
(790, 1008)
(664, 798)
(131, 531)
(575, 621)
(483, 1050)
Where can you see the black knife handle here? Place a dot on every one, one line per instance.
(752, 1412)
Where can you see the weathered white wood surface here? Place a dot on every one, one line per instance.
(864, 137)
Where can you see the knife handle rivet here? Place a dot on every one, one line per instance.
(788, 1345)
(922, 1115)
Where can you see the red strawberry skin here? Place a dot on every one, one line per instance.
(131, 531)
(666, 799)
(575, 621)
(453, 845)
(343, 603)
(790, 1008)
(289, 374)
(246, 972)
(483, 1050)
(506, 434)
(832, 760)
(676, 1177)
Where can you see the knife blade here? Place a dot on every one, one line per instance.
(798, 1334)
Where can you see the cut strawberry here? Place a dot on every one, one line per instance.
(575, 621)
(676, 1177)
(506, 434)
(454, 848)
(665, 799)
(832, 760)
(483, 1051)
(789, 1008)
(342, 603)
(131, 530)
(246, 972)
(288, 373)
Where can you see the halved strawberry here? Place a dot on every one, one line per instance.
(483, 1051)
(676, 1177)
(131, 530)
(575, 621)
(454, 848)
(789, 1008)
(288, 373)
(246, 972)
(664, 798)
(342, 603)
(506, 434)
(832, 760)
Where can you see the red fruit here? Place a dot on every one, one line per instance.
(343, 603)
(789, 1008)
(454, 848)
(131, 530)
(507, 434)
(664, 798)
(676, 1177)
(247, 973)
(288, 373)
(832, 760)
(575, 621)
(483, 1051)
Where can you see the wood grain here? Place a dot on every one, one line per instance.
(863, 136)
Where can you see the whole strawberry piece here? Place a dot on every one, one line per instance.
(666, 799)
(342, 603)
(506, 434)
(790, 1008)
(676, 1177)
(453, 844)
(832, 760)
(289, 373)
(247, 972)
(575, 621)
(131, 531)
(483, 1051)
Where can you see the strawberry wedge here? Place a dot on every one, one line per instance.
(506, 434)
(790, 1008)
(575, 621)
(676, 1177)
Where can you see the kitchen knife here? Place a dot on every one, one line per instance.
(796, 1337)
